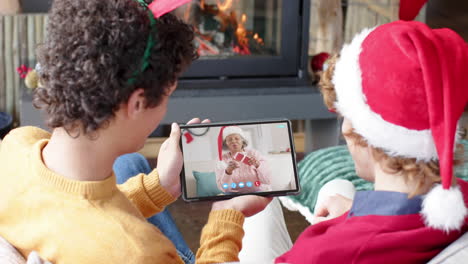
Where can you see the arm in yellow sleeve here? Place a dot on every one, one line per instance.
(221, 239)
(146, 193)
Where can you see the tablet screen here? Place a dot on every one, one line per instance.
(225, 160)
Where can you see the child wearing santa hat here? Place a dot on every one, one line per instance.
(401, 88)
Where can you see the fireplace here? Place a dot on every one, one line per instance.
(253, 65)
(247, 42)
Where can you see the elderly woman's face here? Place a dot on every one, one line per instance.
(234, 143)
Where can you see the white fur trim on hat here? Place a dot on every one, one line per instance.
(444, 209)
(232, 130)
(351, 103)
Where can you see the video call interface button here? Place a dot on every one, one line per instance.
(241, 184)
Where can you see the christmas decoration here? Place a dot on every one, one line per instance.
(409, 101)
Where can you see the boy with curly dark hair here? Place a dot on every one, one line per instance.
(108, 68)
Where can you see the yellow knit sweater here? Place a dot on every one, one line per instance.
(70, 221)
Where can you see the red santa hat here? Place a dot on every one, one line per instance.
(404, 87)
(409, 9)
(223, 133)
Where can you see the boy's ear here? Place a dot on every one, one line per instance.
(136, 103)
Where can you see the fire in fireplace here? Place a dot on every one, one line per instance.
(248, 39)
(223, 28)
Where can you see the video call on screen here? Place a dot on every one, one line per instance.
(254, 158)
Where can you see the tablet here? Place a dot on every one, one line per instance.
(224, 160)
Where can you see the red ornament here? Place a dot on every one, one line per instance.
(23, 71)
(317, 61)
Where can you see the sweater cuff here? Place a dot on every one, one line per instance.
(228, 215)
(155, 191)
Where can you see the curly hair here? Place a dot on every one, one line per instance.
(325, 84)
(423, 173)
(92, 49)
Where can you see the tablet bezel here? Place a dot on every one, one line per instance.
(229, 196)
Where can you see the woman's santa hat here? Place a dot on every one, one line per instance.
(223, 133)
(404, 86)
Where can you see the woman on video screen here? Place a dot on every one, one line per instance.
(241, 169)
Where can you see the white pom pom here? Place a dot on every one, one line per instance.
(444, 209)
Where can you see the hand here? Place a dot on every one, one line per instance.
(170, 160)
(248, 205)
(254, 162)
(232, 165)
(332, 207)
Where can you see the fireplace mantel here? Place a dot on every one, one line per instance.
(298, 103)
(243, 104)
(295, 103)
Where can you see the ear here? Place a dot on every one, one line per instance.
(136, 103)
